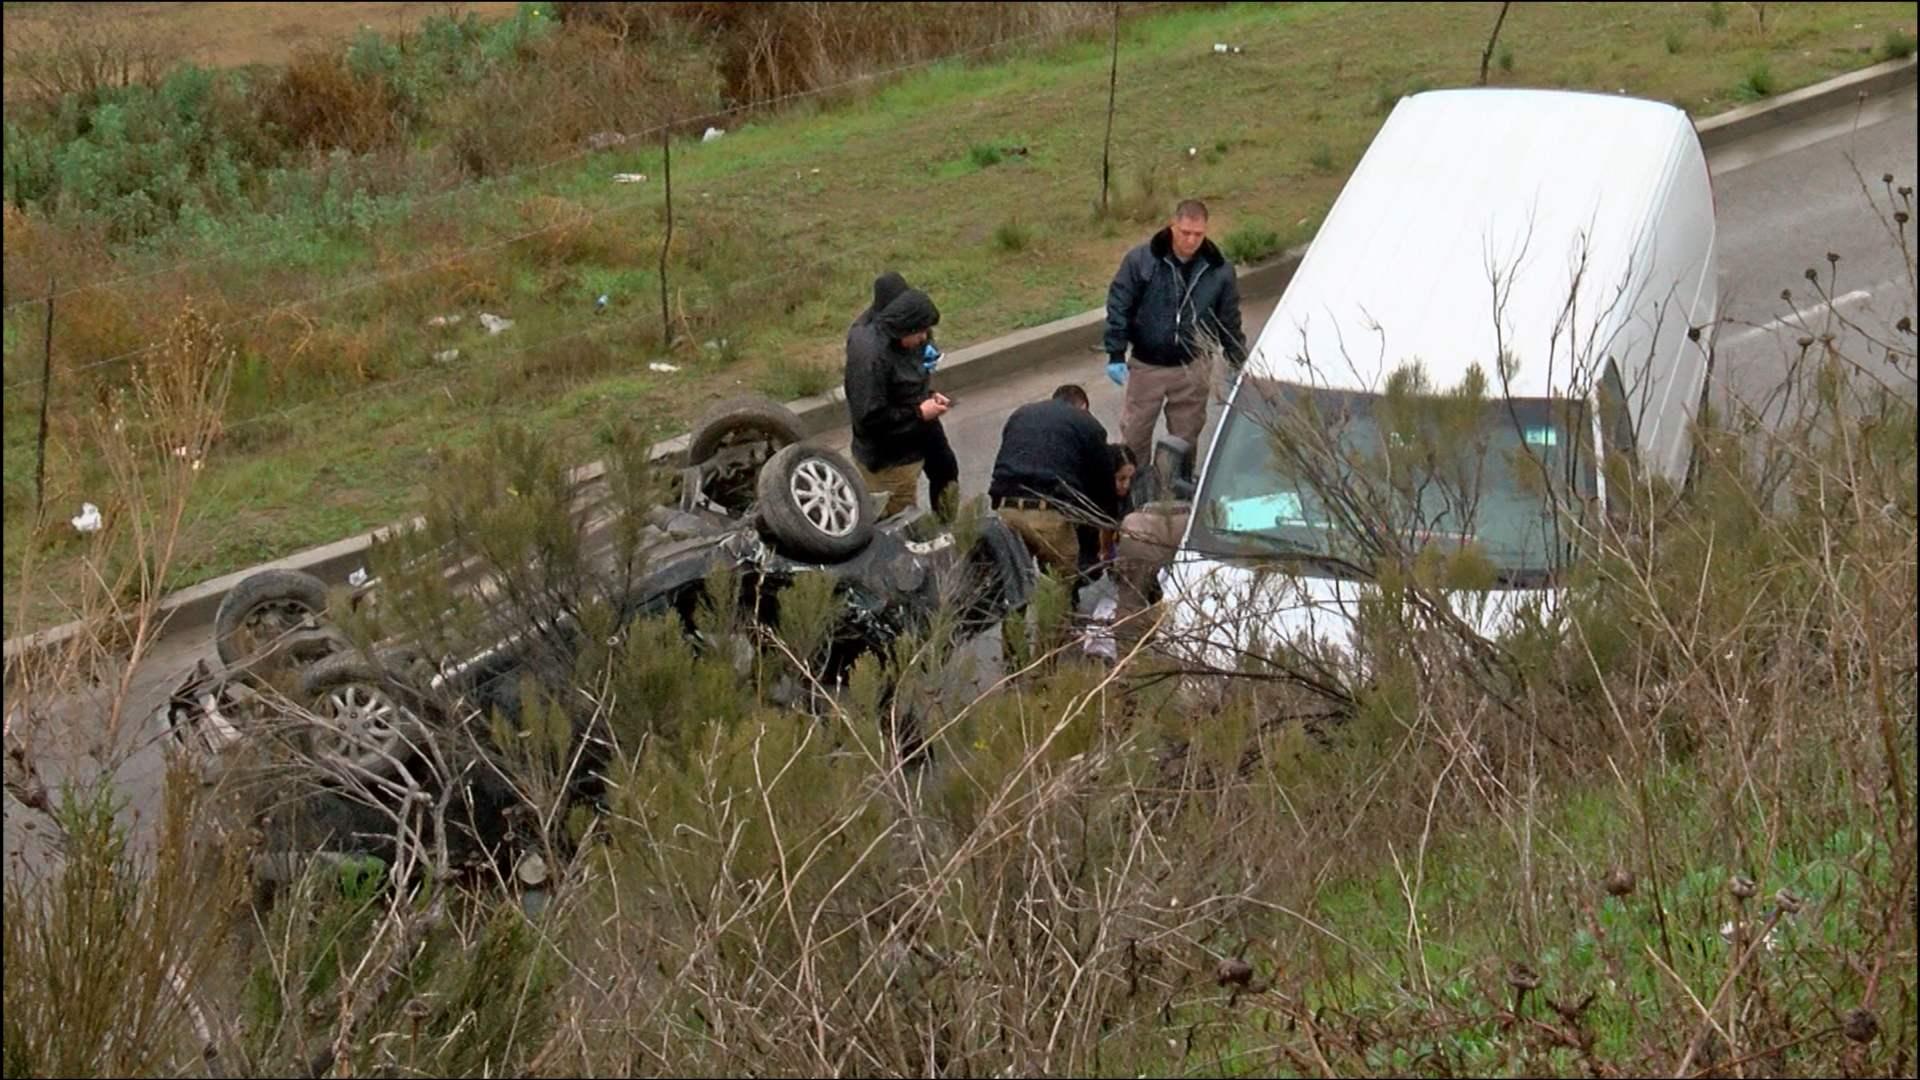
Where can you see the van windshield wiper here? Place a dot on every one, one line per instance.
(1300, 552)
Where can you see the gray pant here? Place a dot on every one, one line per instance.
(1181, 391)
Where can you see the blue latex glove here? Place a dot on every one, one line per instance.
(1117, 371)
(930, 358)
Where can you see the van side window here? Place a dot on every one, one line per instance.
(1616, 419)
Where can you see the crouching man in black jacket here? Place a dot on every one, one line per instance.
(890, 397)
(1053, 482)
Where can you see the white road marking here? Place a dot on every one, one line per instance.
(1804, 318)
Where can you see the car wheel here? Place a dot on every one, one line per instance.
(366, 717)
(733, 441)
(813, 503)
(260, 614)
(744, 422)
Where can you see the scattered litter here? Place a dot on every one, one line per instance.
(1100, 641)
(533, 870)
(1772, 940)
(600, 304)
(629, 178)
(180, 452)
(447, 356)
(712, 133)
(664, 369)
(494, 323)
(358, 577)
(1222, 47)
(1193, 151)
(600, 140)
(89, 519)
(445, 320)
(816, 170)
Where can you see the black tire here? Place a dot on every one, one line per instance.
(813, 504)
(744, 420)
(263, 608)
(384, 713)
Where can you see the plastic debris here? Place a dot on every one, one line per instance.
(1100, 642)
(664, 369)
(358, 577)
(1193, 151)
(816, 170)
(494, 323)
(89, 519)
(445, 320)
(629, 178)
(600, 304)
(600, 140)
(447, 356)
(712, 133)
(532, 870)
(1223, 48)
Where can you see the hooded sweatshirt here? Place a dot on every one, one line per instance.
(885, 383)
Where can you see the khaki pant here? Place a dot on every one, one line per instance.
(1148, 539)
(1182, 391)
(1049, 535)
(900, 484)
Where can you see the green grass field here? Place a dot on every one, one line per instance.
(339, 407)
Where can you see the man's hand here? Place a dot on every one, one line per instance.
(1117, 371)
(934, 407)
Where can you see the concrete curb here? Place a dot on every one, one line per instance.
(1716, 131)
(969, 367)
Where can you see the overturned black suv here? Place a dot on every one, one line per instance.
(752, 503)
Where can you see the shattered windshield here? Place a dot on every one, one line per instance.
(1311, 473)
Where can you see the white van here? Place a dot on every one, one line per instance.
(1586, 221)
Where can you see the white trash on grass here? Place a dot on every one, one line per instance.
(89, 519)
(664, 369)
(494, 323)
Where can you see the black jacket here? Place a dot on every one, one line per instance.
(1151, 308)
(885, 383)
(1053, 451)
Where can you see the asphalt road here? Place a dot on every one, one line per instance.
(1784, 200)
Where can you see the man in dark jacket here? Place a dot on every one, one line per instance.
(1173, 300)
(890, 397)
(1053, 481)
(942, 466)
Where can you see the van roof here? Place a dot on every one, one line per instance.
(1450, 188)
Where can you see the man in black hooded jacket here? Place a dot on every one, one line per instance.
(890, 396)
(941, 464)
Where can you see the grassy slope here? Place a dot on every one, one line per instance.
(336, 419)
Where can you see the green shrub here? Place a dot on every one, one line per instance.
(1250, 243)
(1757, 83)
(1897, 45)
(1012, 235)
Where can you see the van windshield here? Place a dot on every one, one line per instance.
(1310, 473)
